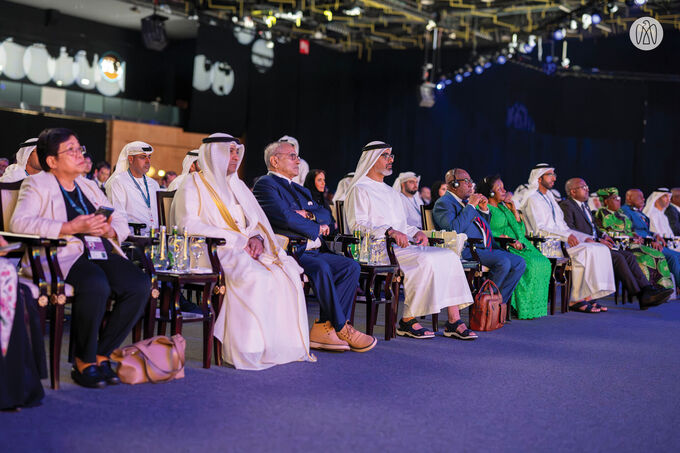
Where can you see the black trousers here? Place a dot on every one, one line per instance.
(335, 280)
(628, 271)
(94, 281)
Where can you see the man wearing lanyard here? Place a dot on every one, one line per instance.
(130, 190)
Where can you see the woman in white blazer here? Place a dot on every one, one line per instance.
(59, 202)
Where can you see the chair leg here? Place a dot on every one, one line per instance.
(370, 309)
(208, 325)
(435, 322)
(56, 333)
(150, 317)
(164, 310)
(551, 295)
(176, 313)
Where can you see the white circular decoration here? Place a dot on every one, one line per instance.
(38, 65)
(262, 55)
(85, 72)
(65, 69)
(111, 67)
(14, 59)
(646, 33)
(222, 76)
(201, 80)
(244, 35)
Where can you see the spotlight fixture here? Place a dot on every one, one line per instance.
(458, 78)
(596, 18)
(501, 59)
(487, 65)
(573, 24)
(640, 2)
(479, 69)
(467, 70)
(586, 20)
(559, 34)
(329, 15)
(431, 25)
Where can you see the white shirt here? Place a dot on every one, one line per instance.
(311, 245)
(658, 223)
(126, 197)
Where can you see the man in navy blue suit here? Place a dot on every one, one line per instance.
(463, 211)
(335, 278)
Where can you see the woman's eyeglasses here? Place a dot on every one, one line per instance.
(74, 151)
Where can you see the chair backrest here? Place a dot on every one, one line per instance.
(426, 217)
(9, 193)
(340, 212)
(164, 199)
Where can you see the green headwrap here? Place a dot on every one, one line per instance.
(607, 192)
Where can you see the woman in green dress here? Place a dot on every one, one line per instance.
(611, 220)
(530, 298)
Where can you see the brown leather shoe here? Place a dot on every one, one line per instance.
(358, 342)
(323, 336)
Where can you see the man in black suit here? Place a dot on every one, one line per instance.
(673, 211)
(578, 217)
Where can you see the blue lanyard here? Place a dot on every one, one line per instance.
(78, 209)
(552, 208)
(147, 197)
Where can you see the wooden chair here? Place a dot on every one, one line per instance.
(55, 290)
(210, 289)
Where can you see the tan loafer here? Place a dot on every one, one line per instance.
(323, 336)
(358, 342)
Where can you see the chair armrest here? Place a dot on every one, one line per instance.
(435, 241)
(137, 227)
(345, 240)
(535, 240)
(472, 244)
(504, 242)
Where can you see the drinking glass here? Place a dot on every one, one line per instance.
(197, 244)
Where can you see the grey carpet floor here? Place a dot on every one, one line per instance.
(570, 382)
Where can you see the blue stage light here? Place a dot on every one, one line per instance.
(459, 78)
(501, 59)
(479, 69)
(596, 18)
(558, 35)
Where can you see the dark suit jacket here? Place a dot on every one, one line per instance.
(576, 219)
(449, 215)
(280, 200)
(674, 219)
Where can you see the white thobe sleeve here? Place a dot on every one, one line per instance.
(185, 211)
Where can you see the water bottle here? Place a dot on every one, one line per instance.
(364, 246)
(183, 251)
(161, 260)
(173, 244)
(354, 248)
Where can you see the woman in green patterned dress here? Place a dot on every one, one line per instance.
(611, 220)
(530, 297)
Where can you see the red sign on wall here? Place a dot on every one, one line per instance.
(304, 47)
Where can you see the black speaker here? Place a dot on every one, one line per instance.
(153, 32)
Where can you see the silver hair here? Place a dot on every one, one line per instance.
(272, 149)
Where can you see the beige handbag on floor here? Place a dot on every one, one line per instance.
(157, 359)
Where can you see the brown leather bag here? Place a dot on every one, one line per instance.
(488, 312)
(157, 359)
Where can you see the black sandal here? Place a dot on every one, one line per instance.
(577, 307)
(596, 305)
(450, 331)
(406, 329)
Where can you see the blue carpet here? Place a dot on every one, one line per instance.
(570, 382)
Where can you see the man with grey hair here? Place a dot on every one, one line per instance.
(290, 208)
(304, 166)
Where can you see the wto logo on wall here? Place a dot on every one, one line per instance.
(518, 118)
(34, 62)
(646, 33)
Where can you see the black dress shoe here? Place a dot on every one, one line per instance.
(108, 373)
(90, 377)
(651, 296)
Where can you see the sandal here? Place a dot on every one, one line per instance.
(601, 307)
(450, 331)
(588, 308)
(406, 329)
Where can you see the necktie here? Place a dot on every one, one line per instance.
(593, 231)
(484, 229)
